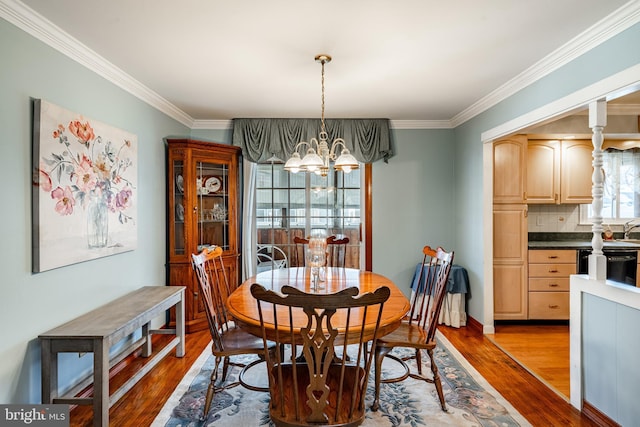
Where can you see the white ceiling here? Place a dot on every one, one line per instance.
(415, 60)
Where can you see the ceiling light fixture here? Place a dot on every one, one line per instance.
(318, 159)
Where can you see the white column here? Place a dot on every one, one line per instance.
(597, 122)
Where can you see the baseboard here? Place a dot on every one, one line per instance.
(596, 416)
(474, 325)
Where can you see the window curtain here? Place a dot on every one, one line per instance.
(260, 139)
(622, 169)
(249, 238)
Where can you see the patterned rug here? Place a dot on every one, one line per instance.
(471, 401)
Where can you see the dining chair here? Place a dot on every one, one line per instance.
(319, 387)
(270, 257)
(228, 340)
(417, 331)
(336, 250)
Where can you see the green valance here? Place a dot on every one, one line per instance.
(261, 139)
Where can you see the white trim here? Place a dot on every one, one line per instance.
(487, 236)
(621, 82)
(421, 124)
(609, 87)
(212, 124)
(623, 18)
(39, 27)
(32, 23)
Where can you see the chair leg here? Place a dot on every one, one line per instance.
(380, 353)
(419, 360)
(436, 380)
(211, 388)
(225, 368)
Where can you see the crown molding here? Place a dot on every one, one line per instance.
(623, 18)
(34, 24)
(212, 124)
(421, 124)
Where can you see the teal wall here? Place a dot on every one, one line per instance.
(31, 304)
(429, 192)
(614, 55)
(413, 201)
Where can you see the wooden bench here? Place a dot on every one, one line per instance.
(97, 331)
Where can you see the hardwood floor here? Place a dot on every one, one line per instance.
(532, 398)
(542, 349)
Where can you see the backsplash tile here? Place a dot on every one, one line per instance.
(555, 219)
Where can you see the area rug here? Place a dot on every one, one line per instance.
(471, 400)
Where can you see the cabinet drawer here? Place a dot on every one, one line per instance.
(553, 256)
(552, 270)
(549, 284)
(549, 305)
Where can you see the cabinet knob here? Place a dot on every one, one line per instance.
(553, 270)
(553, 285)
(552, 256)
(195, 295)
(553, 306)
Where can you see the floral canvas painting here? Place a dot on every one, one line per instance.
(85, 188)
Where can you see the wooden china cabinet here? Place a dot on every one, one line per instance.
(203, 208)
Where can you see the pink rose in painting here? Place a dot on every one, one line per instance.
(90, 174)
(65, 200)
(86, 179)
(83, 131)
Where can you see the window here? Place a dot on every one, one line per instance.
(289, 205)
(621, 197)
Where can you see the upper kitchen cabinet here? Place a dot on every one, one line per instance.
(559, 172)
(576, 171)
(543, 172)
(203, 207)
(509, 169)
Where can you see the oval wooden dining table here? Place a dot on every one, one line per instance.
(244, 309)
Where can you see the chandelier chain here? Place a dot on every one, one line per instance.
(322, 121)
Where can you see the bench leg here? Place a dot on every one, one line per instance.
(100, 383)
(180, 326)
(49, 374)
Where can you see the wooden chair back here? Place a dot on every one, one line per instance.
(213, 284)
(336, 250)
(427, 299)
(320, 387)
(300, 244)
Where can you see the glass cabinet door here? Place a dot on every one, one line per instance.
(212, 204)
(177, 192)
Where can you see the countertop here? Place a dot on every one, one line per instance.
(581, 244)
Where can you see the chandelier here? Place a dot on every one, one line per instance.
(318, 156)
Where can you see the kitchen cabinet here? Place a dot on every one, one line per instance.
(509, 169)
(576, 171)
(510, 295)
(543, 172)
(559, 172)
(549, 271)
(203, 205)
